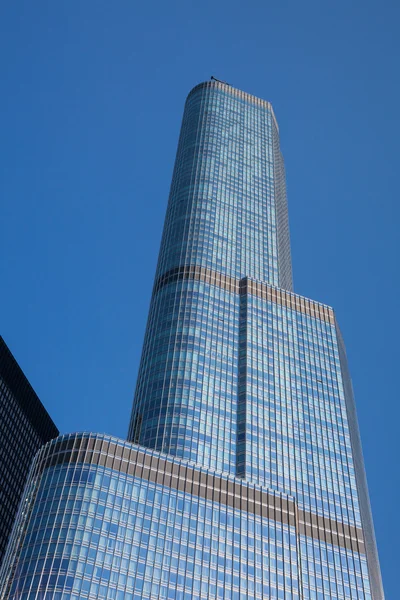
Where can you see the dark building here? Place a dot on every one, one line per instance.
(24, 427)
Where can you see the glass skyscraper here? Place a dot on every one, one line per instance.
(243, 475)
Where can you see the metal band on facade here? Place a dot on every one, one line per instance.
(248, 286)
(238, 494)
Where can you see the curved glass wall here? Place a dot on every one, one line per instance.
(105, 519)
(226, 219)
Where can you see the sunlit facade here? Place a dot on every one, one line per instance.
(105, 518)
(226, 219)
(243, 477)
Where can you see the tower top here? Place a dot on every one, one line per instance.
(229, 89)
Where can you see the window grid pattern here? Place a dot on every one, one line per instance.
(297, 434)
(103, 518)
(19, 443)
(188, 381)
(223, 202)
(282, 215)
(331, 572)
(92, 532)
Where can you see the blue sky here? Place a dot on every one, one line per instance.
(90, 109)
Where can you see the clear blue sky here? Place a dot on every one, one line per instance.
(90, 109)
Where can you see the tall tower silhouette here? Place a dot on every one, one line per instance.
(243, 475)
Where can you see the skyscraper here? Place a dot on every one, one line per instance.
(24, 427)
(243, 476)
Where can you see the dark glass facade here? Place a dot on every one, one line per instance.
(24, 427)
(243, 477)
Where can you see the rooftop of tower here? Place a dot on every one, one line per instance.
(229, 89)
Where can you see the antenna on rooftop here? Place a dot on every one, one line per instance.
(219, 80)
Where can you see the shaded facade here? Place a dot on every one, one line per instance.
(24, 427)
(243, 476)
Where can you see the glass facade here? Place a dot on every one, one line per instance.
(243, 475)
(294, 428)
(24, 427)
(226, 219)
(227, 208)
(106, 519)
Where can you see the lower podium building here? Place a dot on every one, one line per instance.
(104, 518)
